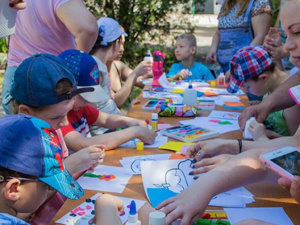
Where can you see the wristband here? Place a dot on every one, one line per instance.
(240, 145)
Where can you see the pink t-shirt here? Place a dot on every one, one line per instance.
(39, 30)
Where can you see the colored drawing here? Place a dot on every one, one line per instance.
(189, 133)
(220, 122)
(84, 212)
(101, 177)
(224, 115)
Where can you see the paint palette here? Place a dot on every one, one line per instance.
(189, 133)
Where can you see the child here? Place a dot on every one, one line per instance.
(77, 132)
(31, 164)
(51, 102)
(106, 49)
(188, 69)
(252, 68)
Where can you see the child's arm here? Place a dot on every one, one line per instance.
(113, 122)
(108, 209)
(112, 140)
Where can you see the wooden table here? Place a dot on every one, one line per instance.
(266, 195)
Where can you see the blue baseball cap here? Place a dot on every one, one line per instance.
(109, 29)
(86, 72)
(36, 79)
(30, 146)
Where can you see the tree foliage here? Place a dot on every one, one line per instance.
(143, 18)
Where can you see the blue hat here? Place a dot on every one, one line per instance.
(36, 79)
(30, 146)
(109, 30)
(86, 73)
(248, 62)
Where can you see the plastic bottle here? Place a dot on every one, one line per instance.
(157, 67)
(133, 216)
(154, 121)
(221, 79)
(157, 218)
(190, 96)
(148, 56)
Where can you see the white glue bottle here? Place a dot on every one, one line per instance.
(148, 56)
(221, 79)
(133, 216)
(190, 95)
(157, 218)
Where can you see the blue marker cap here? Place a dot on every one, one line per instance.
(132, 210)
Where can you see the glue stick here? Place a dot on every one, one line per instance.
(157, 218)
(154, 121)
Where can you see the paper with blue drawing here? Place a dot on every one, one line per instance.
(167, 178)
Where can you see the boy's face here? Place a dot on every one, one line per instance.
(33, 195)
(255, 87)
(55, 115)
(182, 49)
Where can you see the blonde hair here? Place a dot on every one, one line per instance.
(189, 38)
(229, 4)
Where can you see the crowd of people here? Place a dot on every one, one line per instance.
(66, 84)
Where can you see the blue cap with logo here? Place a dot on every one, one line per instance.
(36, 79)
(30, 146)
(86, 73)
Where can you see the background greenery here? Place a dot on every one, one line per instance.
(143, 19)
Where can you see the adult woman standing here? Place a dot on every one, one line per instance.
(241, 23)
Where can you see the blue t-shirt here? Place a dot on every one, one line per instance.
(6, 219)
(199, 71)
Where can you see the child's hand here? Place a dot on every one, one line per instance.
(108, 209)
(85, 159)
(145, 135)
(183, 74)
(257, 130)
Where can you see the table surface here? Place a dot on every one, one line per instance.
(266, 195)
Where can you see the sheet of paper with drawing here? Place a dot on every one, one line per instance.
(219, 91)
(105, 178)
(84, 212)
(224, 115)
(167, 178)
(220, 125)
(133, 163)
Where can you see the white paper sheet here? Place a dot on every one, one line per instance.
(116, 179)
(274, 215)
(133, 163)
(84, 212)
(173, 175)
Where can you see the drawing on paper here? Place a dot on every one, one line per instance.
(175, 178)
(100, 177)
(136, 166)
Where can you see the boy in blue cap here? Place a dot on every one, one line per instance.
(30, 163)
